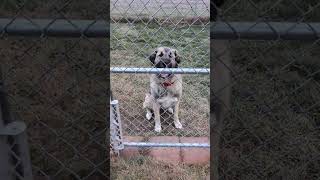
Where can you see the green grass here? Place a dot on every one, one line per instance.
(130, 47)
(192, 43)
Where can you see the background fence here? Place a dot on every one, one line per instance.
(55, 86)
(137, 29)
(271, 130)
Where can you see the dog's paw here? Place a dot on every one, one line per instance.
(157, 128)
(148, 115)
(177, 124)
(170, 110)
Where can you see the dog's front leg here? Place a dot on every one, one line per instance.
(176, 121)
(156, 110)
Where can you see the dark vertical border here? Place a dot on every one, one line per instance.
(213, 169)
(4, 150)
(220, 91)
(108, 92)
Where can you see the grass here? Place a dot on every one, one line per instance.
(272, 131)
(271, 10)
(293, 152)
(130, 47)
(275, 108)
(55, 86)
(144, 8)
(59, 98)
(144, 168)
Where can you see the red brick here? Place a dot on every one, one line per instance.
(129, 152)
(208, 177)
(195, 155)
(166, 154)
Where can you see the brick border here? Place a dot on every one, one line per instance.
(171, 155)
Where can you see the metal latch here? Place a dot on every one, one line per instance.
(13, 129)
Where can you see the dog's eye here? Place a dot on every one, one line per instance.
(161, 54)
(170, 55)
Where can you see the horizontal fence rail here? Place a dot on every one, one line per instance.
(149, 144)
(55, 27)
(160, 70)
(219, 30)
(265, 31)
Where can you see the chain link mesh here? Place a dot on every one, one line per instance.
(55, 85)
(272, 128)
(138, 27)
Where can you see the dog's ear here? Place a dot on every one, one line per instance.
(178, 59)
(152, 57)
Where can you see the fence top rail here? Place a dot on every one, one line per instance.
(101, 29)
(265, 30)
(54, 27)
(131, 70)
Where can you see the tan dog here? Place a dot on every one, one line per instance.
(165, 88)
(166, 103)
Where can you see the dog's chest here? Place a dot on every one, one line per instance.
(166, 91)
(160, 89)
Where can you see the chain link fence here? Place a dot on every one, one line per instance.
(55, 85)
(268, 55)
(53, 58)
(14, 147)
(138, 27)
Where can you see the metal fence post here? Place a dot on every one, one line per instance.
(4, 148)
(24, 153)
(18, 136)
(221, 96)
(115, 129)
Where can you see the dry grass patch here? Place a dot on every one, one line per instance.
(144, 168)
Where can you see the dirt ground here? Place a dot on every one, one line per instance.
(147, 169)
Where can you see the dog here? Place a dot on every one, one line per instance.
(166, 103)
(165, 88)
